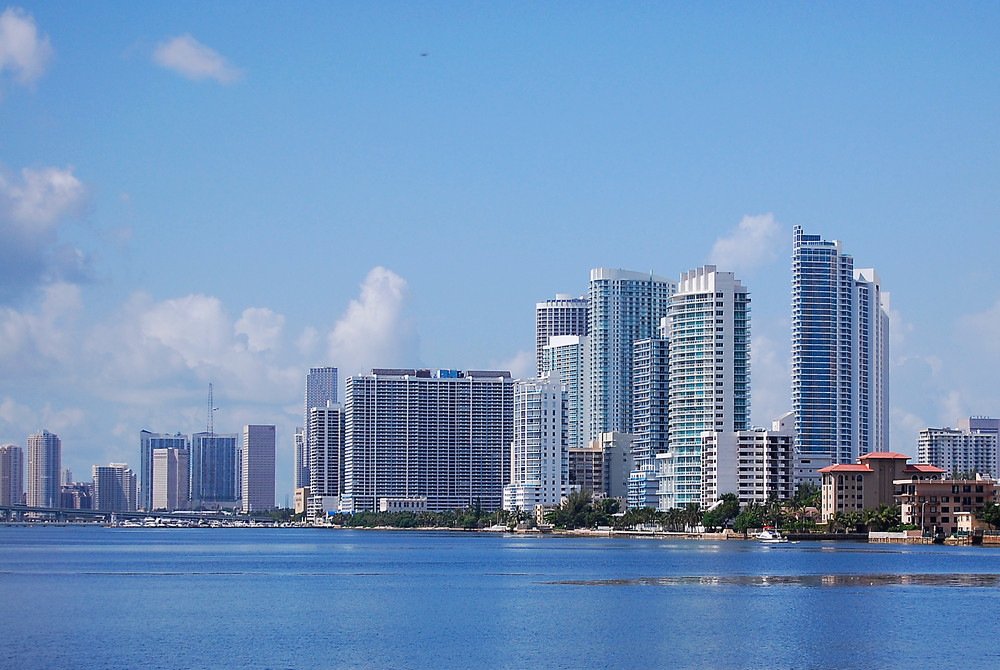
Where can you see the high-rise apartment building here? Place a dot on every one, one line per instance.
(214, 468)
(708, 376)
(625, 307)
(149, 441)
(258, 468)
(11, 475)
(569, 356)
(753, 464)
(840, 346)
(321, 388)
(650, 389)
(966, 451)
(171, 479)
(115, 488)
(439, 435)
(326, 454)
(539, 465)
(44, 464)
(565, 315)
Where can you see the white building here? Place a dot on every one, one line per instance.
(257, 469)
(565, 315)
(326, 450)
(440, 434)
(321, 388)
(840, 347)
(539, 473)
(171, 479)
(753, 464)
(569, 355)
(625, 306)
(650, 383)
(11, 475)
(44, 465)
(709, 376)
(115, 488)
(971, 448)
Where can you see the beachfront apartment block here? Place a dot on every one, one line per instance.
(444, 435)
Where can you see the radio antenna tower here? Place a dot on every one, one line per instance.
(211, 413)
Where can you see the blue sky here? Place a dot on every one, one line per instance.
(235, 192)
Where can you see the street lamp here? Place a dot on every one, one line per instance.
(923, 506)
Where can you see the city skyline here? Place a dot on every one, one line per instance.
(181, 205)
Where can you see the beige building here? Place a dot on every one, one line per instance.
(940, 505)
(852, 487)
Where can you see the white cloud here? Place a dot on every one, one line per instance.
(31, 210)
(374, 331)
(20, 418)
(191, 59)
(33, 340)
(262, 327)
(521, 365)
(981, 331)
(23, 51)
(770, 378)
(754, 243)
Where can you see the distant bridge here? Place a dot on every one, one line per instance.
(17, 513)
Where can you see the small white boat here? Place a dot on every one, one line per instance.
(771, 536)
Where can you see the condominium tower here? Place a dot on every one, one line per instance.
(966, 451)
(539, 465)
(44, 465)
(11, 475)
(625, 306)
(326, 451)
(565, 315)
(840, 344)
(171, 479)
(569, 357)
(114, 488)
(708, 375)
(440, 436)
(321, 388)
(257, 468)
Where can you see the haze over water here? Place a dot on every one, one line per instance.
(265, 598)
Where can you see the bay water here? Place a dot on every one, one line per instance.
(320, 598)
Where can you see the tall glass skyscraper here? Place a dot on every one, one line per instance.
(625, 306)
(840, 346)
(44, 463)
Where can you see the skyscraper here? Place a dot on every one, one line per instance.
(625, 306)
(840, 349)
(114, 488)
(44, 464)
(569, 355)
(11, 475)
(171, 479)
(565, 315)
(649, 415)
(147, 443)
(708, 373)
(321, 388)
(326, 465)
(214, 470)
(442, 436)
(258, 468)
(539, 458)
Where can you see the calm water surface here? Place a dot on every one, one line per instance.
(310, 598)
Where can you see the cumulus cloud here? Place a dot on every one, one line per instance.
(521, 365)
(374, 330)
(981, 331)
(770, 378)
(192, 59)
(32, 207)
(262, 328)
(754, 243)
(39, 339)
(23, 52)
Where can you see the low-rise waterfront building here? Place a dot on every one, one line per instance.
(937, 504)
(852, 487)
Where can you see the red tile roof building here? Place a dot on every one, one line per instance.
(870, 482)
